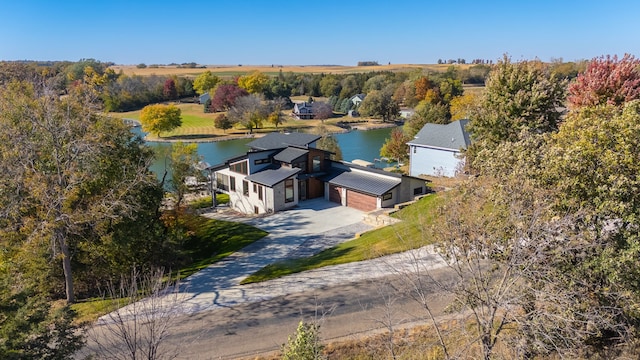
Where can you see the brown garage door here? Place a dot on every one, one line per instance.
(335, 194)
(360, 201)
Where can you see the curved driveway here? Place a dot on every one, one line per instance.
(311, 227)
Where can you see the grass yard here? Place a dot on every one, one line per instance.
(197, 125)
(405, 235)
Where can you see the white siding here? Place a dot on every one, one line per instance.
(434, 162)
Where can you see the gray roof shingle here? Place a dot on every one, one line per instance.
(271, 177)
(451, 136)
(362, 182)
(281, 140)
(289, 154)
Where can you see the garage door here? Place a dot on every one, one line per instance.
(360, 201)
(335, 194)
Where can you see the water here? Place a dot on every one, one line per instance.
(357, 144)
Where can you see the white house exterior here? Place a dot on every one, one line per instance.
(436, 149)
(281, 170)
(303, 111)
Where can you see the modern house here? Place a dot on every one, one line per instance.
(436, 149)
(303, 110)
(282, 169)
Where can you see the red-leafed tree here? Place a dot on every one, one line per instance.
(606, 80)
(169, 91)
(225, 97)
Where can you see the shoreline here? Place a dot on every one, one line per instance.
(357, 126)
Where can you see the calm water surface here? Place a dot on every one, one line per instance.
(357, 144)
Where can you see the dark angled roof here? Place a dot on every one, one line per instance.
(226, 162)
(281, 140)
(289, 154)
(362, 182)
(270, 177)
(451, 136)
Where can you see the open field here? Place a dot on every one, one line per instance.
(229, 71)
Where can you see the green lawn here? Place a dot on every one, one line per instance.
(406, 235)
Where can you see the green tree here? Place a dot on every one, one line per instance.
(205, 82)
(395, 147)
(328, 142)
(222, 122)
(183, 166)
(518, 96)
(67, 174)
(330, 86)
(380, 104)
(158, 118)
(426, 112)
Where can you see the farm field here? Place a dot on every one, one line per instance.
(229, 71)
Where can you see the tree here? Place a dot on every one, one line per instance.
(606, 80)
(330, 86)
(461, 107)
(169, 91)
(328, 143)
(304, 344)
(182, 164)
(426, 112)
(222, 122)
(322, 110)
(205, 82)
(249, 111)
(518, 96)
(395, 147)
(158, 118)
(225, 96)
(68, 175)
(422, 85)
(254, 83)
(380, 103)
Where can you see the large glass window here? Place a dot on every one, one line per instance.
(316, 163)
(233, 183)
(260, 191)
(245, 187)
(222, 182)
(288, 190)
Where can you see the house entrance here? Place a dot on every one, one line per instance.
(302, 190)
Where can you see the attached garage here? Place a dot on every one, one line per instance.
(335, 194)
(361, 201)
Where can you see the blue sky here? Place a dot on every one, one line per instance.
(315, 33)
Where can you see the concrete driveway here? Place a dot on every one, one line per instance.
(311, 227)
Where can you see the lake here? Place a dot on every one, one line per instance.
(356, 144)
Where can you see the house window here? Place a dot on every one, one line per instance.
(288, 190)
(415, 149)
(260, 191)
(261, 161)
(222, 182)
(233, 183)
(417, 191)
(255, 188)
(387, 196)
(245, 187)
(240, 167)
(316, 163)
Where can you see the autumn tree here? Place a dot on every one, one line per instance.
(158, 118)
(225, 96)
(421, 86)
(169, 90)
(426, 113)
(606, 80)
(518, 96)
(254, 83)
(380, 104)
(183, 162)
(461, 107)
(69, 175)
(249, 111)
(330, 86)
(205, 82)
